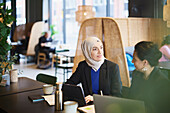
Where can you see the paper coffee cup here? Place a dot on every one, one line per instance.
(14, 75)
(70, 106)
(48, 89)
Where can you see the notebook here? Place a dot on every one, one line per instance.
(74, 93)
(109, 104)
(36, 98)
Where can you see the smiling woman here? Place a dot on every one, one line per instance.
(97, 51)
(96, 73)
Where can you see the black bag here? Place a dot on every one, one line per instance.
(45, 64)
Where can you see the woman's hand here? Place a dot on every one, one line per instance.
(88, 98)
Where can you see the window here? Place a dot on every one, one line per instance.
(20, 12)
(118, 8)
(57, 18)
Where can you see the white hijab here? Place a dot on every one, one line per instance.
(86, 47)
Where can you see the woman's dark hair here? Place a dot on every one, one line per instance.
(149, 51)
(166, 40)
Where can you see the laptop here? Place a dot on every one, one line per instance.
(73, 93)
(109, 104)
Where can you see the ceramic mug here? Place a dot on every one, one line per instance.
(48, 89)
(14, 75)
(70, 107)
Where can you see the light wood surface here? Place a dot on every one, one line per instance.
(129, 30)
(134, 30)
(36, 33)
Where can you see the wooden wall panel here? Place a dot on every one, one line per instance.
(90, 27)
(134, 30)
(123, 26)
(107, 30)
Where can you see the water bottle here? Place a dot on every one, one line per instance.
(59, 106)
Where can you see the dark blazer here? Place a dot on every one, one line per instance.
(44, 40)
(109, 80)
(155, 91)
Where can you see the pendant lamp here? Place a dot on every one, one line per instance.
(84, 12)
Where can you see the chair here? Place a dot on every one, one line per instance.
(61, 59)
(107, 30)
(41, 56)
(65, 66)
(48, 79)
(36, 31)
(22, 30)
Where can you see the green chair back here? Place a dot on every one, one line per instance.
(48, 79)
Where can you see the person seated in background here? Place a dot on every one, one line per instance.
(149, 84)
(22, 47)
(165, 49)
(131, 66)
(96, 73)
(43, 45)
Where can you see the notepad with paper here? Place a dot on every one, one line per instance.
(87, 109)
(50, 99)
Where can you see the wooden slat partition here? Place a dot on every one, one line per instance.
(22, 30)
(88, 28)
(134, 30)
(114, 50)
(129, 30)
(36, 33)
(107, 30)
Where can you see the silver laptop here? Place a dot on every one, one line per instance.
(109, 104)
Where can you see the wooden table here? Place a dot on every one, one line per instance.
(20, 103)
(23, 84)
(70, 53)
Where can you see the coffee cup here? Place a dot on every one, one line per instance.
(70, 106)
(48, 89)
(14, 75)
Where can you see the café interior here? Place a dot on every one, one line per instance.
(119, 24)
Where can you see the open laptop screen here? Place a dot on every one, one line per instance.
(74, 93)
(109, 104)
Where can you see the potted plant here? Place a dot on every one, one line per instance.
(53, 32)
(6, 20)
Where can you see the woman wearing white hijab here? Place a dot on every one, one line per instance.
(97, 74)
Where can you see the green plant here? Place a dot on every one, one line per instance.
(6, 20)
(53, 32)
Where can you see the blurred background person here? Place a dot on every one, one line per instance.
(165, 49)
(43, 45)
